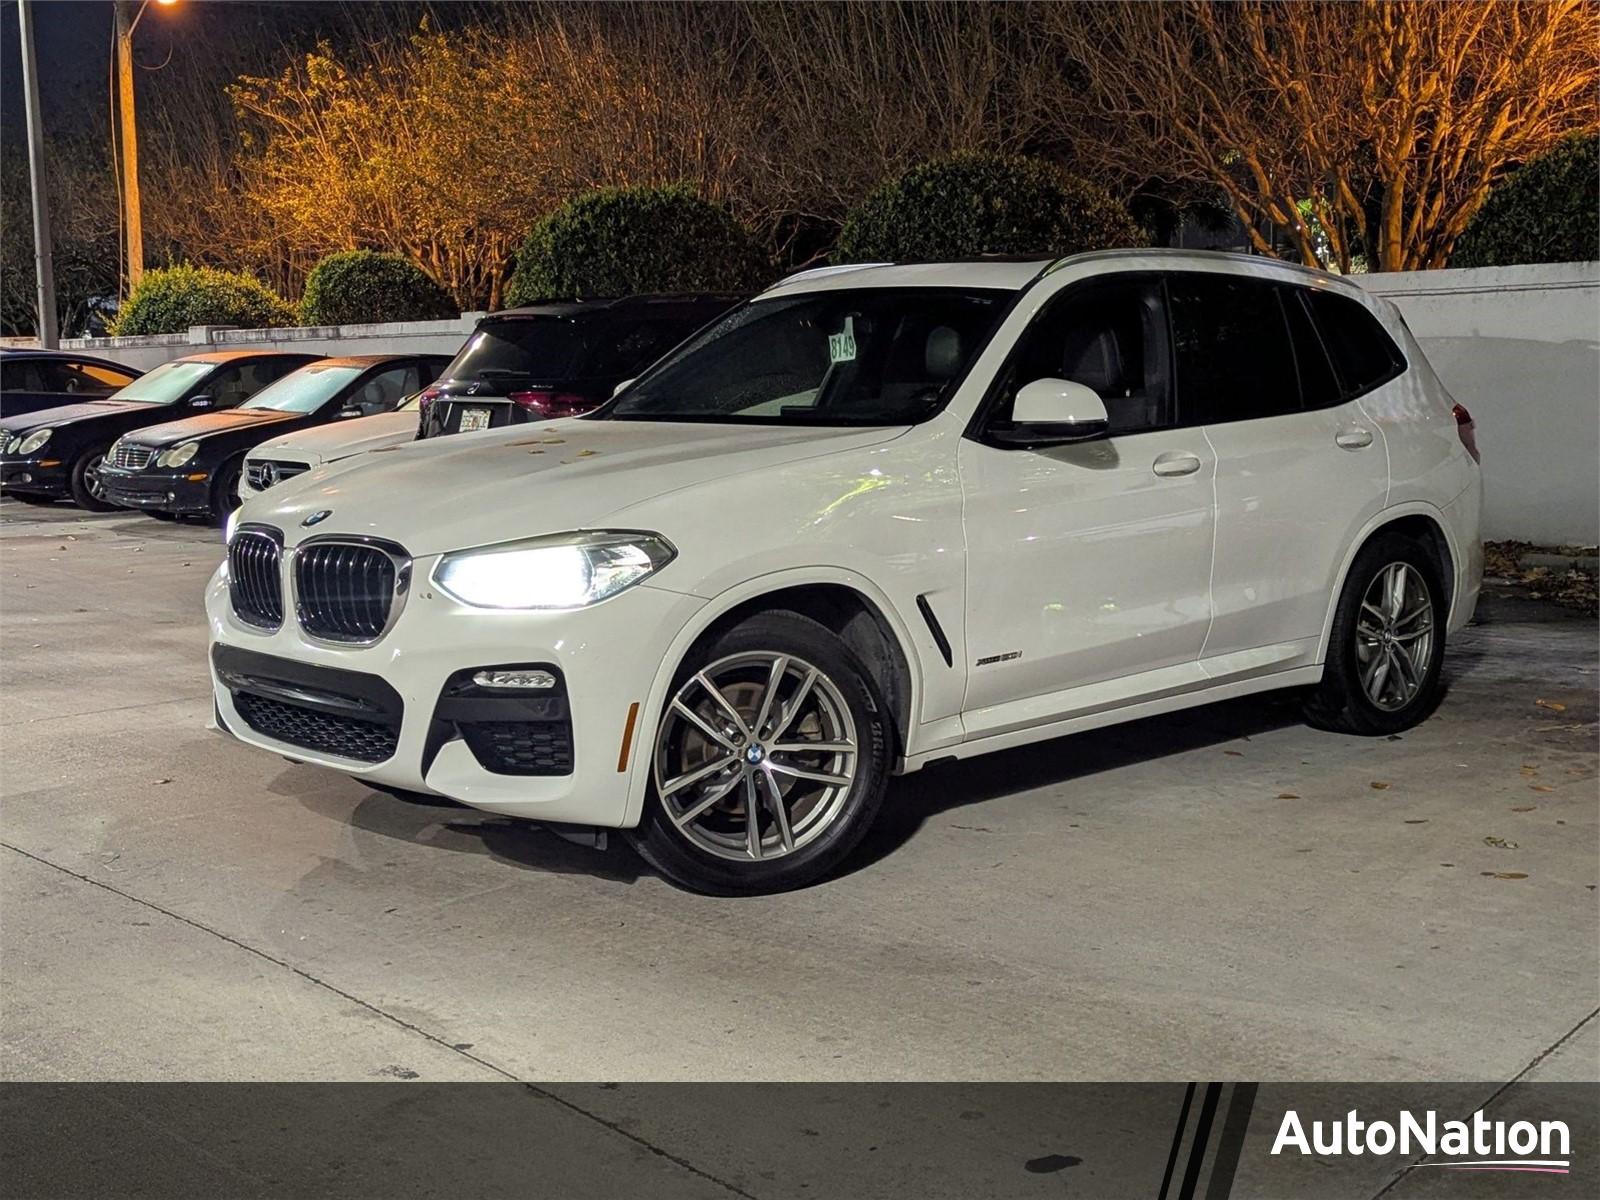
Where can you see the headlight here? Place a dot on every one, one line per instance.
(11, 446)
(566, 571)
(178, 455)
(34, 441)
(229, 528)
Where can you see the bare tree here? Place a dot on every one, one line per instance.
(1376, 126)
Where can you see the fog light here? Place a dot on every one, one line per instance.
(514, 679)
(23, 478)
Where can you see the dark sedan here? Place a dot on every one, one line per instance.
(31, 380)
(558, 360)
(192, 466)
(57, 453)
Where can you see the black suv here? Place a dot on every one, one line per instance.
(56, 453)
(558, 359)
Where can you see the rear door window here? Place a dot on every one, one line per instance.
(1232, 349)
(1319, 386)
(1363, 354)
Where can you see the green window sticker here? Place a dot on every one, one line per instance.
(842, 346)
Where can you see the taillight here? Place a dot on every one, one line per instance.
(552, 404)
(428, 395)
(1467, 430)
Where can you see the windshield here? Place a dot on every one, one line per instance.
(867, 356)
(521, 348)
(166, 383)
(305, 390)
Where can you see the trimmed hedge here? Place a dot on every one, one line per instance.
(972, 204)
(1548, 211)
(359, 287)
(622, 241)
(170, 299)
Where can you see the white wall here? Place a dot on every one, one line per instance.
(1520, 348)
(399, 337)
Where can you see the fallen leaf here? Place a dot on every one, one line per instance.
(1540, 787)
(1510, 874)
(1287, 796)
(1499, 843)
(1551, 705)
(1379, 786)
(159, 782)
(1416, 820)
(1524, 807)
(587, 453)
(1529, 769)
(1234, 753)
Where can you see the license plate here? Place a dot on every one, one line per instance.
(474, 418)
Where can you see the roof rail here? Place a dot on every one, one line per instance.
(819, 272)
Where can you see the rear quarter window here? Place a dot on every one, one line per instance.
(1363, 354)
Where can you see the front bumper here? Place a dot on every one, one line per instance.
(165, 491)
(422, 723)
(29, 475)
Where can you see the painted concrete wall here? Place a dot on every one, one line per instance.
(151, 350)
(1520, 347)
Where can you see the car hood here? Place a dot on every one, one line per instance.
(521, 481)
(198, 428)
(69, 414)
(341, 439)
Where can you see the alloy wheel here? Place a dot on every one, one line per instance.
(1394, 636)
(91, 477)
(756, 756)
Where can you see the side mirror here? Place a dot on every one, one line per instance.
(201, 401)
(1052, 412)
(618, 389)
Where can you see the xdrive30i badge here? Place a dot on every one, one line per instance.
(317, 518)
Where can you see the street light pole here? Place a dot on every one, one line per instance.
(130, 141)
(44, 270)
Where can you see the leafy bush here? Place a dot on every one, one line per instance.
(357, 287)
(972, 204)
(171, 299)
(1549, 211)
(621, 241)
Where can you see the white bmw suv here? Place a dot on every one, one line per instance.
(874, 518)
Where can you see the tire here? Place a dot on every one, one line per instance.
(827, 798)
(84, 481)
(225, 490)
(1383, 670)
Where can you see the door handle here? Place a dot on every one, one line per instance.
(1354, 438)
(1176, 462)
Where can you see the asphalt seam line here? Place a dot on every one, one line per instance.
(1497, 1093)
(533, 1088)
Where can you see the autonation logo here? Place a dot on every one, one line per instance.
(1476, 1144)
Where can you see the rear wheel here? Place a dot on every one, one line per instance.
(1386, 652)
(770, 761)
(88, 491)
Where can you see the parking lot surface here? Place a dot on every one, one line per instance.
(1223, 893)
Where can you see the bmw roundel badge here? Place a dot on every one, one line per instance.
(317, 518)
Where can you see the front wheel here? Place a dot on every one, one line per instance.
(88, 490)
(770, 761)
(225, 490)
(1386, 651)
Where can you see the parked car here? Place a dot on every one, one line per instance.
(874, 519)
(57, 453)
(558, 360)
(34, 379)
(192, 467)
(280, 459)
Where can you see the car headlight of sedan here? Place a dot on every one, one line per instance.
(565, 571)
(34, 442)
(178, 455)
